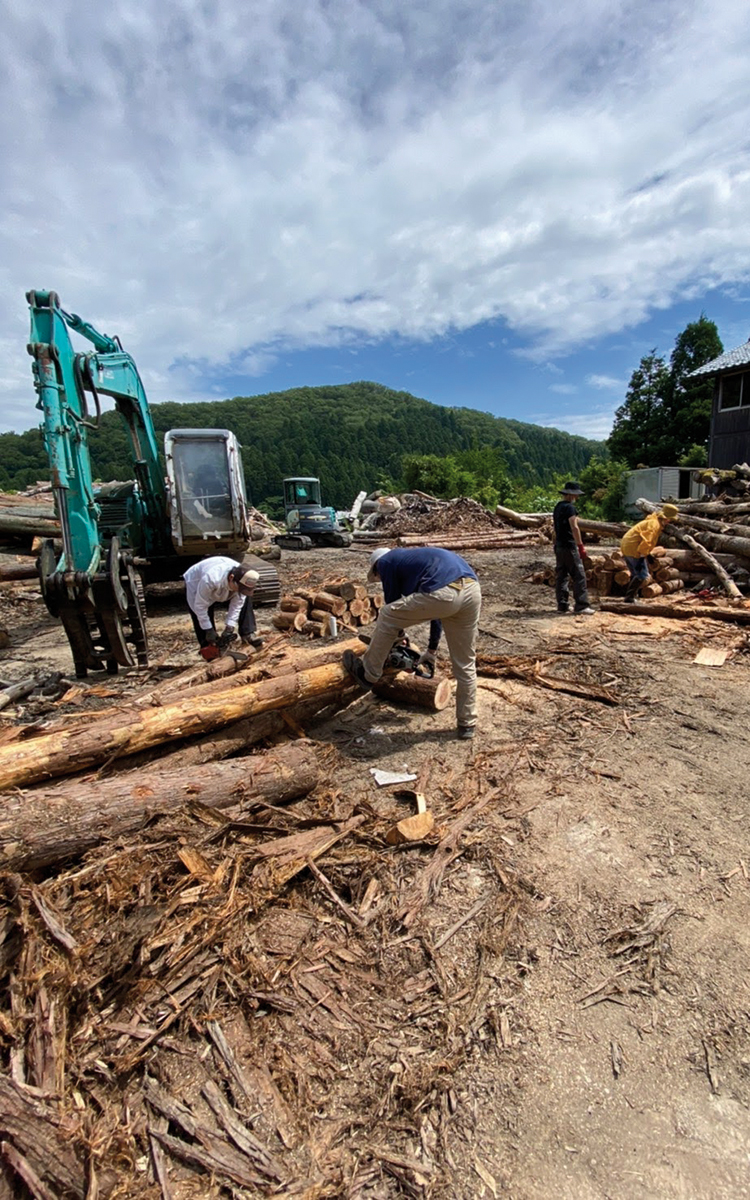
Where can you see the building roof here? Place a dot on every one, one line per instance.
(726, 362)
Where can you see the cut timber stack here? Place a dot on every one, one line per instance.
(669, 571)
(319, 613)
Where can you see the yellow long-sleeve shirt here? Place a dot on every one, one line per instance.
(641, 539)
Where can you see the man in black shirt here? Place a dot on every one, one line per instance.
(569, 553)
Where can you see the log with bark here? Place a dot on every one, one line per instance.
(434, 694)
(10, 573)
(47, 825)
(681, 612)
(698, 547)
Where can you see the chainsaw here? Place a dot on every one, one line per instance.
(403, 657)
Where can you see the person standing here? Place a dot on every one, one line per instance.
(570, 553)
(219, 580)
(426, 584)
(638, 543)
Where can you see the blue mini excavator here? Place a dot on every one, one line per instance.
(308, 523)
(116, 536)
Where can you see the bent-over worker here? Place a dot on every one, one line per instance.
(570, 553)
(215, 581)
(426, 584)
(638, 543)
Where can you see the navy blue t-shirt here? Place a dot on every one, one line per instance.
(421, 569)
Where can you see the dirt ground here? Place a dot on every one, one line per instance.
(601, 1046)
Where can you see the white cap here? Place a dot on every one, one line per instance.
(376, 555)
(249, 579)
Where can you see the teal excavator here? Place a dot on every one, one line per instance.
(118, 536)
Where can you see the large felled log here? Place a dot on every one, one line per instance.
(698, 547)
(20, 571)
(681, 612)
(521, 520)
(27, 527)
(65, 752)
(434, 694)
(48, 825)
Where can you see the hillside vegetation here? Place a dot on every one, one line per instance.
(353, 436)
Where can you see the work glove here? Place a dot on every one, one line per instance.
(228, 636)
(582, 550)
(210, 636)
(426, 664)
(210, 652)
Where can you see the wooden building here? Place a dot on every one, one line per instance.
(729, 441)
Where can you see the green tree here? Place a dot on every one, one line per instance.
(688, 402)
(636, 431)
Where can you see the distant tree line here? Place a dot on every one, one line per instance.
(354, 436)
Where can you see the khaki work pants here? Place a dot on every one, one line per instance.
(458, 608)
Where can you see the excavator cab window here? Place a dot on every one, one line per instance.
(301, 491)
(204, 496)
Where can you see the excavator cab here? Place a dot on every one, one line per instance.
(207, 505)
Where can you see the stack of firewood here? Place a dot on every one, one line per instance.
(669, 571)
(339, 603)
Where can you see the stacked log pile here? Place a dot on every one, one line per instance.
(670, 570)
(320, 612)
(418, 519)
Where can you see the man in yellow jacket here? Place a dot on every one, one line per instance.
(638, 544)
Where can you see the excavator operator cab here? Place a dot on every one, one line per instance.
(208, 509)
(301, 491)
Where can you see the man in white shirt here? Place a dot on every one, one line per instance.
(215, 581)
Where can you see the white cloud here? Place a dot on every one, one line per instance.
(219, 184)
(596, 424)
(606, 383)
(564, 389)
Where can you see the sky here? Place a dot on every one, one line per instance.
(502, 204)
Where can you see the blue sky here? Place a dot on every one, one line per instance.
(492, 203)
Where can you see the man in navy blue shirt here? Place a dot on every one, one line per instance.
(426, 584)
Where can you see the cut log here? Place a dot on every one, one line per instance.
(434, 694)
(299, 621)
(521, 520)
(332, 604)
(20, 571)
(622, 578)
(681, 612)
(283, 620)
(48, 825)
(664, 574)
(65, 752)
(358, 606)
(649, 590)
(311, 628)
(352, 591)
(672, 585)
(293, 604)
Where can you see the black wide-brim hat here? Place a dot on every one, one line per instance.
(571, 488)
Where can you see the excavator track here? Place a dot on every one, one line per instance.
(293, 541)
(268, 587)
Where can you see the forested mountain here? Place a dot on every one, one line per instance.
(353, 436)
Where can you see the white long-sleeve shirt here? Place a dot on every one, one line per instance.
(206, 583)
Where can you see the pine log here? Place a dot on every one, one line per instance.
(299, 621)
(47, 825)
(305, 593)
(434, 694)
(681, 612)
(622, 578)
(18, 571)
(283, 620)
(27, 527)
(377, 600)
(733, 528)
(332, 604)
(666, 573)
(721, 507)
(65, 752)
(293, 604)
(312, 628)
(649, 590)
(672, 585)
(521, 520)
(614, 529)
(350, 590)
(356, 607)
(603, 582)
